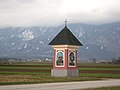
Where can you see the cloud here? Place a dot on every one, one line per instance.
(52, 12)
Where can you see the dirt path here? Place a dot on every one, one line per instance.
(64, 85)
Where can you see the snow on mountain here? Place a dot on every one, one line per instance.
(87, 47)
(101, 47)
(41, 42)
(27, 35)
(25, 46)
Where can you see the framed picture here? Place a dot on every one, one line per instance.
(60, 58)
(71, 58)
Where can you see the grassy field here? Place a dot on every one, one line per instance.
(40, 73)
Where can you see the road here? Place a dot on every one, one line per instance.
(64, 85)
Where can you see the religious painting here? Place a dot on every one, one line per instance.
(72, 58)
(60, 58)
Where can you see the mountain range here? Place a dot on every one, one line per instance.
(99, 41)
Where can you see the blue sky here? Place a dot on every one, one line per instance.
(53, 12)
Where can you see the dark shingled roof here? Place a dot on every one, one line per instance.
(65, 37)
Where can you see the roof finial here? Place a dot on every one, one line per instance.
(65, 22)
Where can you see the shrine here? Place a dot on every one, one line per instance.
(65, 46)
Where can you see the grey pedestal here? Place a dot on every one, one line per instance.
(64, 73)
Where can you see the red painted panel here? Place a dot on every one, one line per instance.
(54, 59)
(65, 61)
(76, 59)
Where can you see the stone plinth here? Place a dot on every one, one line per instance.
(63, 73)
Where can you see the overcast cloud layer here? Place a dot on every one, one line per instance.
(53, 12)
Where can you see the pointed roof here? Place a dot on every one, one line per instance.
(65, 37)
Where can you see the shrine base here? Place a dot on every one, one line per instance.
(64, 73)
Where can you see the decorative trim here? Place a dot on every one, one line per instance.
(65, 46)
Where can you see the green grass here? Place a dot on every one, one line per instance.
(8, 67)
(48, 73)
(17, 83)
(103, 88)
(27, 79)
(100, 75)
(99, 68)
(20, 77)
(42, 67)
(49, 68)
(24, 73)
(92, 64)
